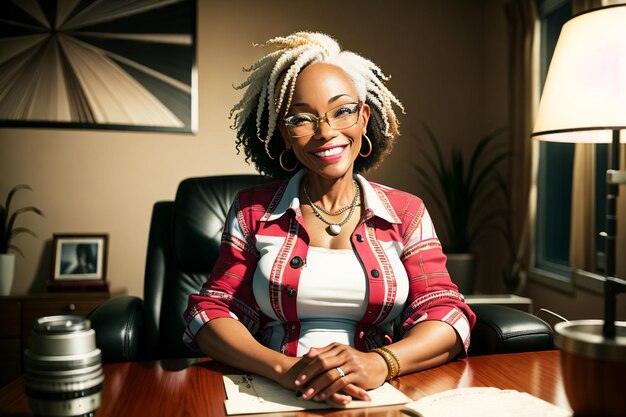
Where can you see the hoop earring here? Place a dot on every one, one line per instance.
(280, 161)
(371, 147)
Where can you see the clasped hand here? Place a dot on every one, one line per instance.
(317, 375)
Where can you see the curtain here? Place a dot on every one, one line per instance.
(521, 16)
(582, 248)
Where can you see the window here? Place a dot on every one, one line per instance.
(556, 162)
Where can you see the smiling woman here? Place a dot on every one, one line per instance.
(326, 283)
(270, 89)
(97, 64)
(318, 87)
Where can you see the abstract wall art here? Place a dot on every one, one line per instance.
(95, 64)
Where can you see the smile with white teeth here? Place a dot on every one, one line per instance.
(329, 152)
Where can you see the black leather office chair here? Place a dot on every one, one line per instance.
(182, 248)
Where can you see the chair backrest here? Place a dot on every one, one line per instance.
(183, 246)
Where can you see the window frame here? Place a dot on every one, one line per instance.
(552, 274)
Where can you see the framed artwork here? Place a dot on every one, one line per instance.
(79, 262)
(99, 64)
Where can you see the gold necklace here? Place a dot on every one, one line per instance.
(333, 228)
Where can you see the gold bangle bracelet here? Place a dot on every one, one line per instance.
(396, 360)
(393, 364)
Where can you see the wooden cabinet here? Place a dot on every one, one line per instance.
(17, 313)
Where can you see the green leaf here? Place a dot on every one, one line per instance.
(3, 230)
(21, 230)
(438, 202)
(488, 170)
(460, 190)
(14, 190)
(16, 213)
(8, 219)
(15, 249)
(486, 195)
(480, 148)
(435, 144)
(437, 164)
(484, 232)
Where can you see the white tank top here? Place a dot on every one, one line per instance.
(333, 296)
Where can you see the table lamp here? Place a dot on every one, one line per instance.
(584, 100)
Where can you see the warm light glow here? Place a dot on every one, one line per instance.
(584, 96)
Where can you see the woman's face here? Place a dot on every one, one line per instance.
(329, 153)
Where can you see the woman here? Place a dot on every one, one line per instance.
(326, 283)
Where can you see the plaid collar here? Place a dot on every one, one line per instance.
(376, 202)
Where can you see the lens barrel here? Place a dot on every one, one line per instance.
(63, 367)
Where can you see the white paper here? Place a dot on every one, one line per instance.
(485, 402)
(247, 394)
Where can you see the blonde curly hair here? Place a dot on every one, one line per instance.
(255, 116)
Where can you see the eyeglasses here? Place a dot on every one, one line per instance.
(307, 124)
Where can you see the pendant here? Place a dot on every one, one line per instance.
(334, 229)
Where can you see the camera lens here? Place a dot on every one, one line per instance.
(63, 368)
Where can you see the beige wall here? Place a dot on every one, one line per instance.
(447, 60)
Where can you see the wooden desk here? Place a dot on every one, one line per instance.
(194, 387)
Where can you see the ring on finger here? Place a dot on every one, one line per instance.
(341, 373)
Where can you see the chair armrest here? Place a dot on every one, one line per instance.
(118, 322)
(501, 329)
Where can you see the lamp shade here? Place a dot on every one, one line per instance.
(584, 96)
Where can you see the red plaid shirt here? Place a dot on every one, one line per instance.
(389, 216)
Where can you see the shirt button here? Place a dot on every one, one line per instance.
(361, 334)
(375, 273)
(296, 262)
(359, 238)
(291, 292)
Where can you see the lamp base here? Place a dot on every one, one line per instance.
(593, 367)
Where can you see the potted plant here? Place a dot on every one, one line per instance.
(459, 191)
(8, 230)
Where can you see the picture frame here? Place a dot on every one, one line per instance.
(79, 262)
(99, 65)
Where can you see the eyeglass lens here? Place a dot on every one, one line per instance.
(340, 117)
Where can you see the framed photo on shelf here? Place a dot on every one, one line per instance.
(79, 262)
